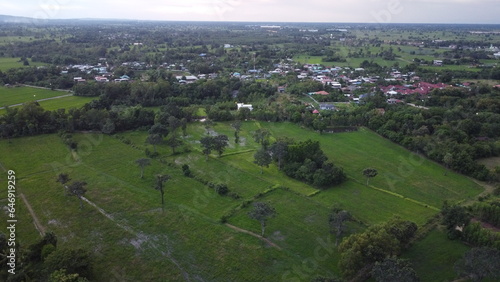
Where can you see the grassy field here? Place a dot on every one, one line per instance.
(187, 239)
(16, 95)
(9, 63)
(10, 96)
(432, 257)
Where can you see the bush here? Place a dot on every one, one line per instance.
(221, 189)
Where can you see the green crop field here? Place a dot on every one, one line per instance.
(124, 219)
(16, 95)
(9, 63)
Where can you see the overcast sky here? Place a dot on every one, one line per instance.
(365, 11)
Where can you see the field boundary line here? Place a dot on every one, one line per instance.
(272, 244)
(146, 238)
(397, 195)
(36, 222)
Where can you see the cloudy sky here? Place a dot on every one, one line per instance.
(377, 11)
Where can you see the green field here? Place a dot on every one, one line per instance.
(187, 239)
(432, 257)
(9, 63)
(16, 95)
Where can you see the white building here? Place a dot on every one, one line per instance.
(241, 105)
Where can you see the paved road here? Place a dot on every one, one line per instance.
(51, 98)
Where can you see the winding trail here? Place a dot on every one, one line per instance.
(254, 235)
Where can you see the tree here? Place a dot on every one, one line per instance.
(262, 158)
(394, 270)
(320, 125)
(77, 189)
(479, 263)
(262, 212)
(173, 141)
(220, 142)
(160, 129)
(369, 173)
(154, 139)
(63, 178)
(160, 180)
(453, 217)
(337, 220)
(448, 161)
(208, 145)
(261, 136)
(142, 163)
(74, 261)
(279, 151)
(362, 249)
(237, 128)
(184, 126)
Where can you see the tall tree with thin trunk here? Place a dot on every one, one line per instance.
(173, 141)
(279, 151)
(207, 143)
(369, 173)
(237, 128)
(262, 212)
(448, 161)
(142, 163)
(160, 180)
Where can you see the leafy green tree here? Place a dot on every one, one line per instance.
(207, 143)
(73, 261)
(279, 151)
(262, 212)
(77, 189)
(160, 180)
(261, 136)
(159, 129)
(448, 161)
(337, 220)
(478, 264)
(394, 270)
(173, 141)
(61, 276)
(184, 126)
(237, 128)
(220, 142)
(262, 158)
(453, 217)
(154, 139)
(369, 173)
(142, 163)
(320, 125)
(63, 178)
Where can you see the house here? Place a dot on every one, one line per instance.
(315, 112)
(319, 93)
(497, 55)
(281, 89)
(101, 79)
(327, 107)
(438, 63)
(246, 106)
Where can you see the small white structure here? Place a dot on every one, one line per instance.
(247, 106)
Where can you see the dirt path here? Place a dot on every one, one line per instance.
(254, 235)
(45, 99)
(36, 222)
(142, 238)
(488, 189)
